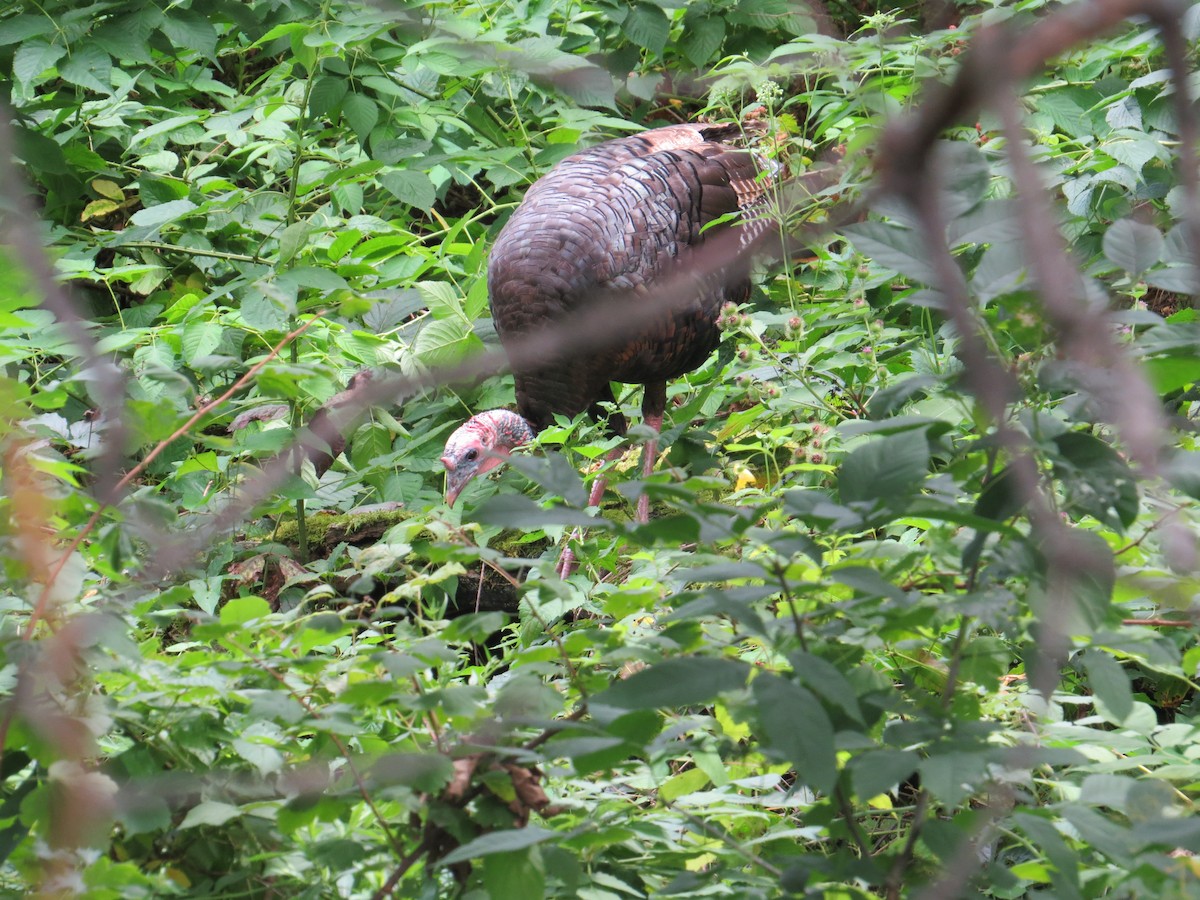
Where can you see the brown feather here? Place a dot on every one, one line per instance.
(619, 217)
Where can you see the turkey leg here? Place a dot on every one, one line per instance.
(654, 404)
(566, 561)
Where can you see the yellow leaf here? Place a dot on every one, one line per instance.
(98, 208)
(880, 801)
(177, 876)
(735, 731)
(745, 478)
(1032, 870)
(108, 189)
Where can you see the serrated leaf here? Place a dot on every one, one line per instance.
(895, 248)
(426, 772)
(518, 511)
(827, 681)
(1133, 153)
(292, 241)
(265, 758)
(166, 126)
(647, 26)
(702, 38)
(34, 58)
(1083, 595)
(108, 189)
(992, 222)
(1133, 246)
(361, 114)
(587, 85)
(97, 209)
(413, 188)
(163, 213)
(885, 471)
(88, 67)
(796, 728)
(200, 339)
(24, 25)
(443, 341)
(514, 876)
(241, 610)
(187, 28)
(876, 771)
(963, 176)
(1125, 113)
(326, 95)
(1110, 684)
(676, 682)
(210, 812)
(499, 842)
(1000, 271)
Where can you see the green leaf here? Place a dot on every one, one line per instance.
(877, 771)
(210, 812)
(362, 114)
(587, 85)
(514, 876)
(412, 188)
(163, 213)
(796, 728)
(292, 241)
(828, 682)
(34, 58)
(1171, 373)
(893, 247)
(885, 471)
(686, 681)
(518, 511)
(1086, 569)
(199, 339)
(1133, 246)
(326, 96)
(1110, 684)
(702, 37)
(686, 782)
(16, 29)
(647, 26)
(443, 342)
(88, 67)
(985, 660)
(241, 610)
(499, 842)
(190, 30)
(963, 177)
(426, 772)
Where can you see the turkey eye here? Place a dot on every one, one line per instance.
(472, 455)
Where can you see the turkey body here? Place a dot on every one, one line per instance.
(606, 225)
(618, 217)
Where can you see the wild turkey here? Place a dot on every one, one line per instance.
(603, 223)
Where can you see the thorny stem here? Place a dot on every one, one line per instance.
(847, 811)
(780, 574)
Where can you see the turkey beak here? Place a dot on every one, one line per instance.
(454, 481)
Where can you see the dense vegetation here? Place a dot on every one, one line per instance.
(916, 607)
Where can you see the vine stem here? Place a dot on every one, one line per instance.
(43, 600)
